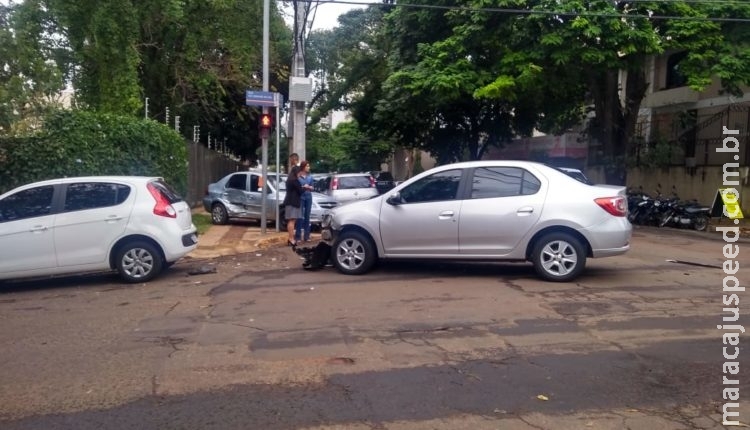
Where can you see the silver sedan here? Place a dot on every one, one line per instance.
(484, 210)
(238, 195)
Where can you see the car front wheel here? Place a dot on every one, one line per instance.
(138, 261)
(558, 257)
(353, 253)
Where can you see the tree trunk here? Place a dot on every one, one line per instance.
(615, 120)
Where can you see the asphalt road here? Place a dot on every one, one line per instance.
(259, 343)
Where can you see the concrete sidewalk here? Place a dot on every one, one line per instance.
(222, 240)
(238, 238)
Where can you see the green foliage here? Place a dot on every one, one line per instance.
(659, 153)
(29, 82)
(345, 149)
(191, 57)
(84, 143)
(202, 222)
(453, 82)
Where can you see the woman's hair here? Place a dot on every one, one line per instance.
(302, 165)
(293, 172)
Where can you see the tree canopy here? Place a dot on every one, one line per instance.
(455, 76)
(193, 58)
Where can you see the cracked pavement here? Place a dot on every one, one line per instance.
(262, 344)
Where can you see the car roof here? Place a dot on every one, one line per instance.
(69, 180)
(352, 174)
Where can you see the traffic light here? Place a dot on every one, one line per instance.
(266, 122)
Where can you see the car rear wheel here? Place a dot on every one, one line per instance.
(219, 214)
(138, 261)
(558, 257)
(353, 253)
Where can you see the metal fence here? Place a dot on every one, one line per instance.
(692, 140)
(204, 167)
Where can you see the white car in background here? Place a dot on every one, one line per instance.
(484, 210)
(350, 187)
(135, 225)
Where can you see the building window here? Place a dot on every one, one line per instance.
(675, 78)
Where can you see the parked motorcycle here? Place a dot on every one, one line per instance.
(686, 215)
(666, 211)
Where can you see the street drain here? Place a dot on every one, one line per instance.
(340, 360)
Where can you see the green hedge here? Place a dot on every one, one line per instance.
(79, 143)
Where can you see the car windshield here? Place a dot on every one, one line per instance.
(282, 185)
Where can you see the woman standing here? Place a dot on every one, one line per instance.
(292, 201)
(303, 222)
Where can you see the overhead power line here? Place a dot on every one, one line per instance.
(560, 13)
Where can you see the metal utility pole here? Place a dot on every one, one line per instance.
(300, 86)
(264, 141)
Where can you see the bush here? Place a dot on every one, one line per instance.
(79, 143)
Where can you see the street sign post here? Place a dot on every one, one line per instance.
(261, 98)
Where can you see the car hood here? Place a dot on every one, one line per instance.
(316, 196)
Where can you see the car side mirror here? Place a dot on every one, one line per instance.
(394, 199)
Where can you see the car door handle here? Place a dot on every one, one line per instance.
(445, 215)
(38, 228)
(526, 210)
(113, 218)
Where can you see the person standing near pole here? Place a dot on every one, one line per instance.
(293, 161)
(303, 222)
(292, 203)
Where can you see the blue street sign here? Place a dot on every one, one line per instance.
(261, 98)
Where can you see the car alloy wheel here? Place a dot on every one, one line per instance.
(353, 253)
(559, 257)
(138, 261)
(219, 214)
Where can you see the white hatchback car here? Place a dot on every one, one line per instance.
(135, 225)
(484, 210)
(350, 187)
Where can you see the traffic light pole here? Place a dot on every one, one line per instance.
(264, 138)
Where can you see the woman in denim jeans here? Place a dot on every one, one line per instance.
(303, 223)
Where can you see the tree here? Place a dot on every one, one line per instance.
(345, 149)
(30, 83)
(601, 43)
(458, 79)
(194, 57)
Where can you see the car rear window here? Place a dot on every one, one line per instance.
(351, 182)
(490, 182)
(385, 176)
(169, 193)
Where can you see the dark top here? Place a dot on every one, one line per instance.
(293, 191)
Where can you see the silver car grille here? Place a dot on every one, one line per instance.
(328, 205)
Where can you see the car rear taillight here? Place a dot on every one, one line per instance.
(617, 206)
(335, 184)
(162, 207)
(372, 182)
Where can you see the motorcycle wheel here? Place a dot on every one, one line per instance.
(664, 220)
(700, 223)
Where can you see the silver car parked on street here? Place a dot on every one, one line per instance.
(238, 195)
(484, 210)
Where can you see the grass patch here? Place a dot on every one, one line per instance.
(202, 222)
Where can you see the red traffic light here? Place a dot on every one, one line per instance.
(266, 121)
